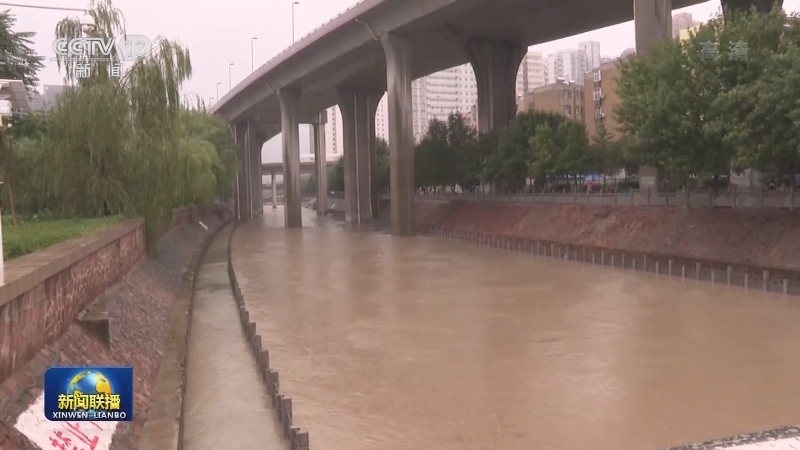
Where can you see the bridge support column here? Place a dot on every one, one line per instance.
(358, 124)
(652, 22)
(290, 129)
(495, 64)
(243, 202)
(274, 183)
(256, 185)
(374, 194)
(321, 163)
(401, 133)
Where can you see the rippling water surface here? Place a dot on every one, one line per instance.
(406, 343)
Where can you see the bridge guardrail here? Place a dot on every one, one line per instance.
(305, 36)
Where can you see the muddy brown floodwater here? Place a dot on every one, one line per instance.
(406, 343)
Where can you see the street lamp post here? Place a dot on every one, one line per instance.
(218, 90)
(230, 80)
(252, 58)
(293, 5)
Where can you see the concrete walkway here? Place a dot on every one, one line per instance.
(225, 404)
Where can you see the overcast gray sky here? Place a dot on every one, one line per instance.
(219, 33)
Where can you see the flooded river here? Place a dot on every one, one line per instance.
(430, 343)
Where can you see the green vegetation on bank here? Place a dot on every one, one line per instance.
(727, 99)
(34, 234)
(126, 145)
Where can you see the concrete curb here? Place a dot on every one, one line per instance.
(764, 279)
(164, 427)
(281, 402)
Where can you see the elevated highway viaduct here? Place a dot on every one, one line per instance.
(380, 46)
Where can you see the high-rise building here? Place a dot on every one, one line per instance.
(437, 95)
(530, 76)
(682, 21)
(592, 51)
(382, 118)
(567, 65)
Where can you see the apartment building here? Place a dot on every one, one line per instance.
(600, 93)
(685, 33)
(531, 74)
(437, 95)
(592, 51)
(572, 65)
(681, 22)
(562, 97)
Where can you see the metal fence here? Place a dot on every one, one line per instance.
(638, 198)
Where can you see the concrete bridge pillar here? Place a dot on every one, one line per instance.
(321, 163)
(290, 129)
(401, 133)
(256, 188)
(652, 22)
(358, 125)
(243, 210)
(495, 64)
(274, 183)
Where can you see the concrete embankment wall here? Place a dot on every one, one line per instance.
(747, 247)
(98, 300)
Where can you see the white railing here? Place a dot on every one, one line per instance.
(636, 198)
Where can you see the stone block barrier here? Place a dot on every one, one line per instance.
(767, 279)
(281, 402)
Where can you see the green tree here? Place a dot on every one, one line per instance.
(336, 176)
(120, 140)
(518, 147)
(666, 107)
(431, 157)
(560, 152)
(382, 152)
(460, 138)
(607, 156)
(18, 60)
(756, 110)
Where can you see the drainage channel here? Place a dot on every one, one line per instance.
(225, 404)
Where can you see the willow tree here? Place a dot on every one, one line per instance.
(117, 139)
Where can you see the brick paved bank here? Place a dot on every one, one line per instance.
(757, 250)
(94, 300)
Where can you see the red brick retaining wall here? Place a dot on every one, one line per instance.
(139, 309)
(759, 248)
(51, 287)
(44, 292)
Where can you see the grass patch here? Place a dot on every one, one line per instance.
(36, 234)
